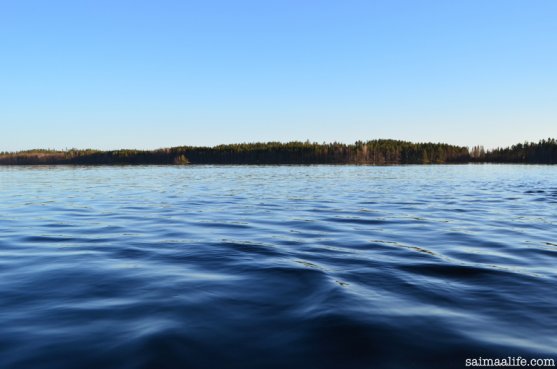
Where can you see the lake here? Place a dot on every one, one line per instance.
(276, 266)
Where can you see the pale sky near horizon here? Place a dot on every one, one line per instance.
(111, 74)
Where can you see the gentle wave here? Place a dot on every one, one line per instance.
(276, 266)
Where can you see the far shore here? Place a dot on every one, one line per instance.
(374, 152)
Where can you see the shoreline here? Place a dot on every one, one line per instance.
(373, 152)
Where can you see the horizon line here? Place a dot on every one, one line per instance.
(307, 141)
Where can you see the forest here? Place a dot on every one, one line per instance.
(374, 152)
(543, 152)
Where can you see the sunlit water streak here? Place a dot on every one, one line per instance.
(276, 266)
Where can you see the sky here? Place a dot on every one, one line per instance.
(110, 74)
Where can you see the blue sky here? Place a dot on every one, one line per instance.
(148, 74)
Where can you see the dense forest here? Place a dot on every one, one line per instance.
(543, 152)
(375, 152)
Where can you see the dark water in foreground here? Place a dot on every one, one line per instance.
(276, 267)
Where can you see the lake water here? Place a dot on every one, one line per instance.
(276, 266)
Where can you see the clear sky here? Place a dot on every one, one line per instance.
(146, 74)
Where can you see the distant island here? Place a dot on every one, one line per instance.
(374, 152)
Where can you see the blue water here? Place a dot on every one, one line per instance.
(276, 266)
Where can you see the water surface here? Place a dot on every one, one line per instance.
(276, 266)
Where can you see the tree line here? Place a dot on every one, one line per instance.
(542, 152)
(374, 152)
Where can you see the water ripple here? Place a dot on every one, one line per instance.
(275, 267)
